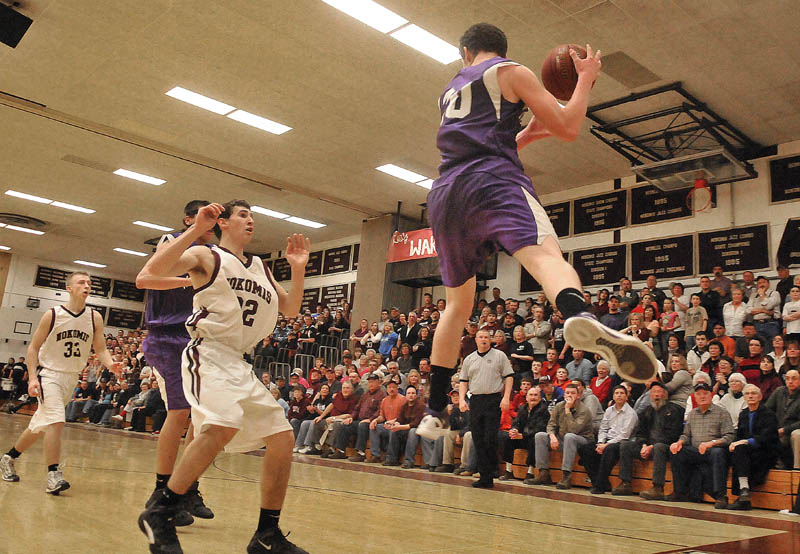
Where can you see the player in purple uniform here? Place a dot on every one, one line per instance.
(169, 305)
(483, 201)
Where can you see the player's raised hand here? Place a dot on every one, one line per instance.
(297, 249)
(590, 65)
(207, 217)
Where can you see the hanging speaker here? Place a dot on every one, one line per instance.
(13, 26)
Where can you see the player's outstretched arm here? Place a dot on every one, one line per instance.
(297, 249)
(99, 345)
(174, 259)
(563, 122)
(32, 359)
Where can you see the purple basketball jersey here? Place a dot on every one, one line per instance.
(168, 307)
(479, 126)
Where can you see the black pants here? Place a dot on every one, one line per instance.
(484, 412)
(599, 466)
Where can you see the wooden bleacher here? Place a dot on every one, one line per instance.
(777, 493)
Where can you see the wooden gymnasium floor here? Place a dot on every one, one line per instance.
(344, 507)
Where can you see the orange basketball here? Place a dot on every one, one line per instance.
(558, 71)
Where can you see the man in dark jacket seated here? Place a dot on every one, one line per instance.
(532, 418)
(785, 402)
(756, 448)
(660, 424)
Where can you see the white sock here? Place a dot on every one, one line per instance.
(531, 469)
(744, 483)
(509, 467)
(360, 452)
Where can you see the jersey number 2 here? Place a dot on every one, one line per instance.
(249, 310)
(73, 349)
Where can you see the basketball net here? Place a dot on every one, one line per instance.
(699, 198)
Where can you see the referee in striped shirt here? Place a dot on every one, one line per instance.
(488, 376)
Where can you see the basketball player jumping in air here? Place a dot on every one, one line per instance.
(483, 201)
(236, 304)
(57, 354)
(169, 305)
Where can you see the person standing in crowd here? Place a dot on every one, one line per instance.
(488, 376)
(764, 307)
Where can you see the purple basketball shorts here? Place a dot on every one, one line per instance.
(477, 214)
(163, 349)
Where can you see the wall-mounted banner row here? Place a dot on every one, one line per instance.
(54, 278)
(784, 179)
(609, 211)
(735, 250)
(321, 262)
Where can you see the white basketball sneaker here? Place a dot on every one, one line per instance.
(631, 357)
(7, 469)
(56, 482)
(433, 425)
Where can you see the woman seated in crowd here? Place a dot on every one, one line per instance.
(673, 346)
(562, 378)
(361, 332)
(298, 410)
(304, 441)
(769, 379)
(601, 385)
(372, 338)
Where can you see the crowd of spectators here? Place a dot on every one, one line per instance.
(727, 352)
(727, 394)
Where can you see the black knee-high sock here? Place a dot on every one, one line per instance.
(570, 302)
(440, 382)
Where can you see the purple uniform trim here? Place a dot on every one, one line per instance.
(163, 349)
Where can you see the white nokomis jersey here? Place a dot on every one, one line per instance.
(69, 341)
(238, 306)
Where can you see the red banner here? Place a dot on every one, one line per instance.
(411, 245)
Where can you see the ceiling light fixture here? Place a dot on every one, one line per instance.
(153, 226)
(426, 184)
(305, 222)
(401, 173)
(259, 122)
(55, 203)
(72, 207)
(369, 12)
(195, 99)
(139, 177)
(131, 252)
(4, 247)
(90, 264)
(24, 229)
(31, 197)
(267, 211)
(421, 40)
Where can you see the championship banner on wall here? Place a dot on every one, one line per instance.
(411, 245)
